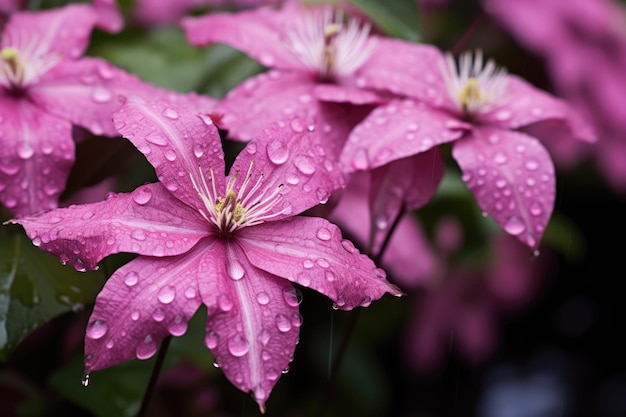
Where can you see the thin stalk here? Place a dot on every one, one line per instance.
(147, 396)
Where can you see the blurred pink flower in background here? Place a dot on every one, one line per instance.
(583, 43)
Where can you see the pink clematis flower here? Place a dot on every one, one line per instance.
(45, 88)
(316, 57)
(479, 107)
(232, 243)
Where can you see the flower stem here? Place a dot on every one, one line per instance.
(165, 344)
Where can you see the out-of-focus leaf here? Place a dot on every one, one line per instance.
(35, 287)
(398, 18)
(165, 59)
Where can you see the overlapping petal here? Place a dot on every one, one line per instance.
(141, 303)
(36, 156)
(512, 177)
(148, 221)
(311, 252)
(253, 320)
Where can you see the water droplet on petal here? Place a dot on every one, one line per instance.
(323, 234)
(25, 150)
(531, 165)
(366, 301)
(131, 278)
(262, 298)
(224, 302)
(293, 297)
(166, 294)
(178, 326)
(348, 246)
(272, 374)
(297, 125)
(138, 234)
(96, 329)
(211, 339)
(234, 269)
(308, 264)
(503, 115)
(360, 160)
(283, 324)
(156, 138)
(158, 315)
(238, 346)
(500, 158)
(190, 292)
(170, 113)
(330, 276)
(514, 226)
(277, 152)
(101, 95)
(536, 209)
(146, 348)
(142, 196)
(304, 164)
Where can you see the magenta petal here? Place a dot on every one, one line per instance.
(266, 98)
(526, 105)
(257, 32)
(344, 94)
(512, 177)
(311, 252)
(36, 156)
(87, 92)
(50, 30)
(181, 143)
(253, 321)
(143, 301)
(288, 160)
(109, 15)
(148, 221)
(399, 129)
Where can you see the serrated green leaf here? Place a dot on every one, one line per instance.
(35, 287)
(398, 18)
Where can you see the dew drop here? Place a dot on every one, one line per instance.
(348, 246)
(503, 115)
(156, 138)
(25, 151)
(304, 164)
(323, 234)
(167, 294)
(297, 125)
(531, 165)
(262, 298)
(170, 113)
(178, 326)
(296, 319)
(272, 374)
(134, 316)
(142, 196)
(138, 234)
(366, 301)
(224, 302)
(514, 226)
(330, 276)
(131, 278)
(500, 158)
(158, 315)
(264, 337)
(211, 339)
(277, 152)
(536, 209)
(85, 380)
(238, 346)
(360, 160)
(293, 297)
(234, 269)
(146, 349)
(96, 329)
(101, 95)
(307, 264)
(190, 293)
(283, 324)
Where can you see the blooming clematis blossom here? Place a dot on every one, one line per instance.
(316, 58)
(232, 243)
(480, 108)
(45, 88)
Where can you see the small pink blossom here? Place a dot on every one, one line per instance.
(232, 243)
(480, 108)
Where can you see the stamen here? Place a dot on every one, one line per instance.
(12, 66)
(475, 89)
(24, 66)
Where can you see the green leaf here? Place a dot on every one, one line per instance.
(35, 287)
(398, 18)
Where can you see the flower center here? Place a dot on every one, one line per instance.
(473, 87)
(328, 45)
(21, 67)
(12, 66)
(232, 210)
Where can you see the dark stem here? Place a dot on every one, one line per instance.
(165, 344)
(349, 331)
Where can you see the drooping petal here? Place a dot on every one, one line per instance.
(311, 252)
(64, 31)
(266, 98)
(109, 15)
(141, 303)
(525, 105)
(36, 156)
(512, 177)
(87, 92)
(289, 164)
(253, 320)
(181, 143)
(257, 32)
(148, 221)
(397, 130)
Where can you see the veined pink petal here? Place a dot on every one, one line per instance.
(36, 156)
(148, 221)
(397, 130)
(141, 303)
(266, 98)
(64, 31)
(87, 92)
(290, 161)
(525, 104)
(181, 144)
(407, 69)
(311, 252)
(255, 32)
(253, 320)
(512, 177)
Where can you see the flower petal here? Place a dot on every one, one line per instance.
(311, 252)
(87, 92)
(179, 142)
(344, 94)
(36, 156)
(148, 221)
(289, 160)
(512, 177)
(253, 321)
(526, 104)
(141, 303)
(396, 130)
(255, 32)
(109, 15)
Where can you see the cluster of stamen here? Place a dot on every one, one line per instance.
(233, 210)
(474, 87)
(24, 66)
(329, 45)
